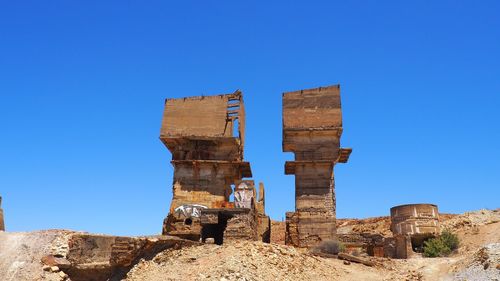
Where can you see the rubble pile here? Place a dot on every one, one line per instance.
(484, 265)
(236, 260)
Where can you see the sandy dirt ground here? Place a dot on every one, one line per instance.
(478, 257)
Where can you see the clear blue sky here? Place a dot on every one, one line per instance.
(82, 86)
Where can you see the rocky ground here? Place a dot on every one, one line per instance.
(478, 257)
(21, 252)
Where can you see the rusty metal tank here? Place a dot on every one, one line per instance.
(416, 220)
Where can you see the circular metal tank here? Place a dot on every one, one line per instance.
(415, 220)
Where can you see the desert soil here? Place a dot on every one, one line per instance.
(478, 257)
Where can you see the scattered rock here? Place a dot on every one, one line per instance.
(54, 269)
(51, 260)
(63, 275)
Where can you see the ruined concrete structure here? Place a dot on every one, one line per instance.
(418, 222)
(415, 220)
(366, 243)
(206, 135)
(2, 224)
(93, 257)
(312, 126)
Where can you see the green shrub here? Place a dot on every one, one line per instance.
(441, 246)
(331, 247)
(450, 240)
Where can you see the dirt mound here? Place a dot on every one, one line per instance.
(233, 261)
(243, 260)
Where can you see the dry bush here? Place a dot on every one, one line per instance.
(331, 247)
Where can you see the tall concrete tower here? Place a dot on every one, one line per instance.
(312, 126)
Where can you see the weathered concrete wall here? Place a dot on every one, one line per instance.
(196, 116)
(367, 243)
(203, 127)
(263, 228)
(312, 108)
(2, 223)
(223, 149)
(312, 145)
(307, 229)
(242, 226)
(312, 126)
(314, 187)
(206, 183)
(403, 247)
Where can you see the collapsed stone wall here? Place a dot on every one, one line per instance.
(91, 257)
(312, 126)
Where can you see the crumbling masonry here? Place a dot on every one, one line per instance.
(2, 224)
(205, 135)
(312, 126)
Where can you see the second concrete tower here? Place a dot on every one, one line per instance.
(312, 126)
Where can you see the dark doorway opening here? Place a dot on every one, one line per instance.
(216, 231)
(417, 242)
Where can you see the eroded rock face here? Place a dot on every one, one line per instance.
(312, 126)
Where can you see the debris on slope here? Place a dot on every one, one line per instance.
(375, 225)
(238, 260)
(484, 265)
(20, 255)
(471, 220)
